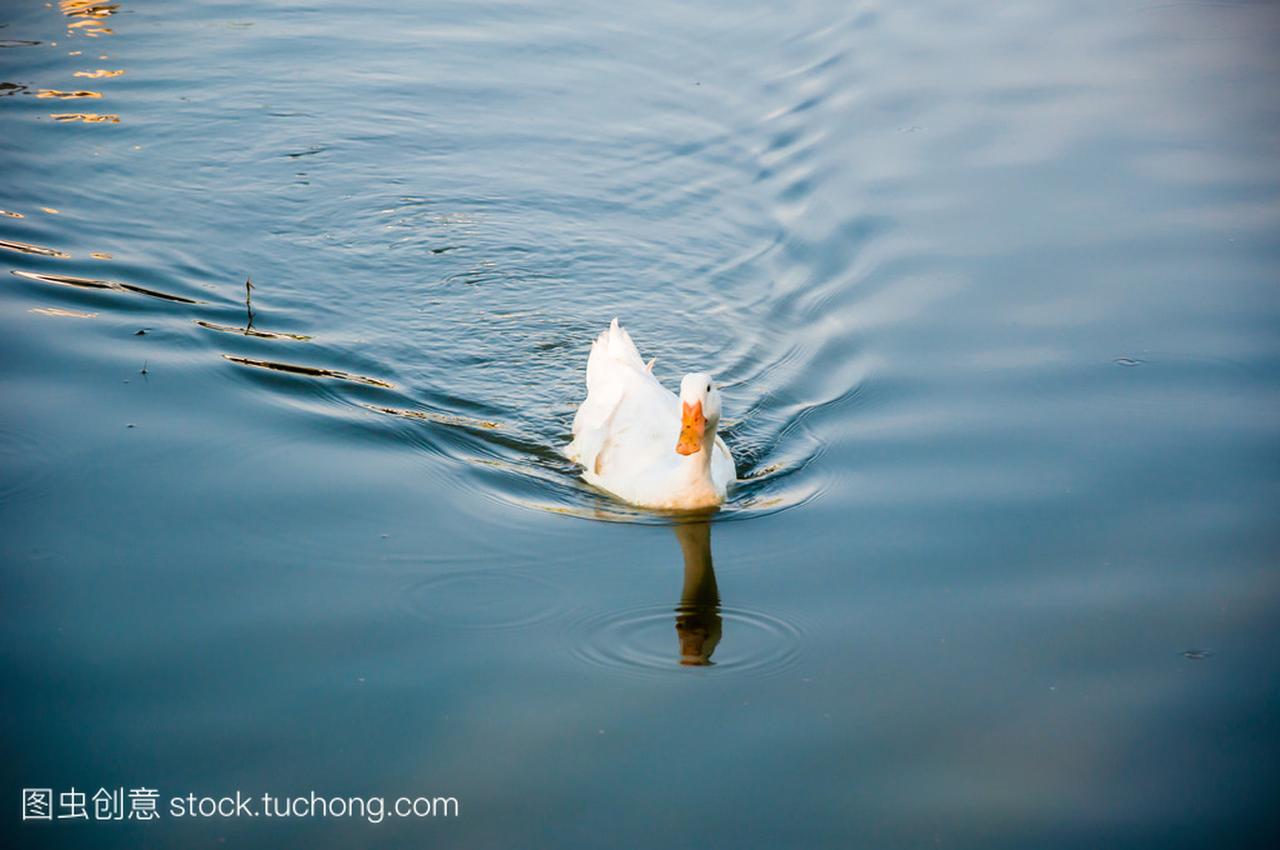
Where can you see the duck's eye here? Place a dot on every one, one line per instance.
(708, 388)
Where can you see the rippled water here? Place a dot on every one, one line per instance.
(992, 295)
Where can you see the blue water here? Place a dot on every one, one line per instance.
(992, 294)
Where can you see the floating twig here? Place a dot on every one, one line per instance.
(248, 304)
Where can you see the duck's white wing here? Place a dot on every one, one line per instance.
(723, 469)
(620, 388)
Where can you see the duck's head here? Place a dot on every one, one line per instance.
(699, 412)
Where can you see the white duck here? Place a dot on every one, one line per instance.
(636, 440)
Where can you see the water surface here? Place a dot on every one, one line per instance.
(992, 295)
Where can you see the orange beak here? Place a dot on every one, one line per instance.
(692, 426)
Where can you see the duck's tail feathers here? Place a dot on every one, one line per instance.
(611, 349)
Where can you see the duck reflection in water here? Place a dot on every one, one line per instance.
(698, 621)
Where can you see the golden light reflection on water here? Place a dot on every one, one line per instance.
(92, 29)
(309, 371)
(86, 117)
(67, 95)
(28, 248)
(62, 312)
(438, 418)
(89, 17)
(251, 331)
(95, 283)
(87, 8)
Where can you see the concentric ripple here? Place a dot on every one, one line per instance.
(484, 599)
(667, 639)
